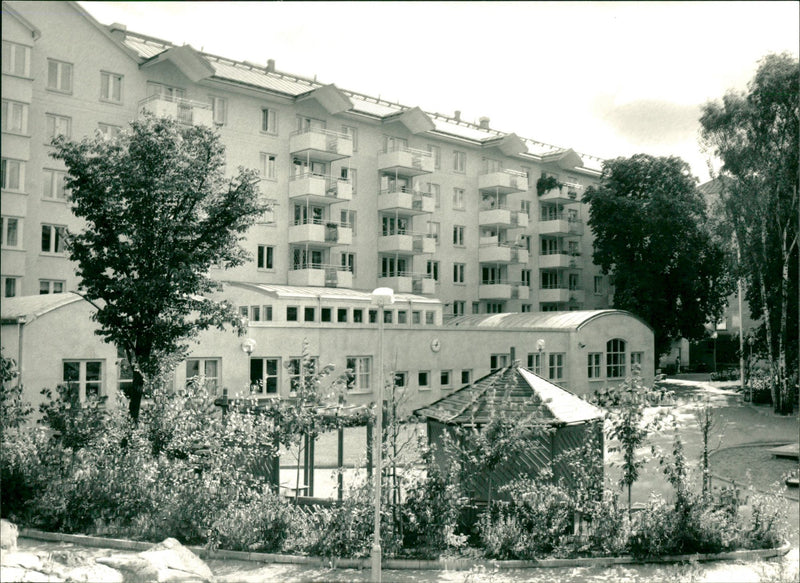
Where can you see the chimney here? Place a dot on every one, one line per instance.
(484, 123)
(118, 31)
(270, 65)
(457, 115)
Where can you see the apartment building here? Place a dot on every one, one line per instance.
(366, 193)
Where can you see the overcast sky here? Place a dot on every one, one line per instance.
(605, 78)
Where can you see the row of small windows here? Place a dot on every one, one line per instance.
(264, 313)
(11, 286)
(52, 236)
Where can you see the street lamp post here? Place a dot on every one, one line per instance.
(381, 297)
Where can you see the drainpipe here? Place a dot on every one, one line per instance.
(20, 327)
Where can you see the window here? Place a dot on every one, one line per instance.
(458, 199)
(265, 257)
(393, 266)
(50, 286)
(124, 372)
(526, 277)
(309, 314)
(373, 316)
(291, 313)
(494, 307)
(402, 317)
(636, 362)
(525, 207)
(598, 284)
(615, 358)
(358, 316)
(54, 185)
(348, 218)
(341, 315)
(16, 59)
(429, 318)
(498, 361)
(264, 375)
(309, 124)
(267, 313)
(349, 174)
(556, 365)
(459, 162)
(459, 307)
(165, 92)
(267, 166)
(436, 154)
(205, 371)
(301, 372)
(593, 370)
(85, 376)
(349, 262)
(269, 121)
(416, 317)
(358, 373)
(108, 130)
(13, 174)
(219, 110)
(458, 235)
(256, 313)
(435, 190)
(535, 362)
(446, 379)
(353, 133)
(10, 286)
(434, 230)
(433, 270)
(326, 315)
(574, 281)
(15, 117)
(400, 379)
(466, 376)
(424, 379)
(388, 316)
(476, 307)
(52, 239)
(393, 144)
(526, 308)
(12, 232)
(59, 76)
(58, 125)
(458, 272)
(110, 87)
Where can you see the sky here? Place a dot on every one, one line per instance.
(604, 78)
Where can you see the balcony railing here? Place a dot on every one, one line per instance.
(406, 198)
(406, 241)
(503, 181)
(502, 216)
(321, 144)
(321, 188)
(405, 161)
(320, 231)
(184, 110)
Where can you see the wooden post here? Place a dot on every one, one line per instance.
(370, 425)
(310, 482)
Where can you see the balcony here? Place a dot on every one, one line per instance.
(402, 283)
(492, 251)
(407, 243)
(405, 161)
(318, 232)
(406, 201)
(320, 275)
(320, 189)
(499, 290)
(561, 295)
(503, 181)
(185, 111)
(555, 261)
(560, 225)
(423, 284)
(319, 144)
(502, 217)
(565, 194)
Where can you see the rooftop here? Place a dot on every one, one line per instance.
(327, 293)
(572, 320)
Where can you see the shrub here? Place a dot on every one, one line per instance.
(24, 470)
(263, 524)
(765, 527)
(503, 537)
(343, 530)
(609, 530)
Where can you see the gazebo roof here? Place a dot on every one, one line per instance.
(512, 391)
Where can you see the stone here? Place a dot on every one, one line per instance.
(23, 560)
(8, 535)
(174, 562)
(133, 568)
(96, 573)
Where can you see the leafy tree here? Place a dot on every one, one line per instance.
(648, 221)
(13, 409)
(756, 135)
(158, 212)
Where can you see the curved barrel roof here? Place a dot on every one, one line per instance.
(573, 320)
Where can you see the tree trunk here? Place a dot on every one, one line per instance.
(134, 395)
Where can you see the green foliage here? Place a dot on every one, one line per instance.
(650, 236)
(13, 410)
(262, 524)
(547, 183)
(75, 424)
(159, 212)
(344, 530)
(766, 525)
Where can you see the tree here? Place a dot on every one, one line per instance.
(158, 212)
(756, 135)
(648, 220)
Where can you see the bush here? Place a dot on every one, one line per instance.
(765, 527)
(343, 530)
(609, 530)
(262, 525)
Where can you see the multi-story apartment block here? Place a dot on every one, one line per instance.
(367, 193)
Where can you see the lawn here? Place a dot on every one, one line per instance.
(752, 466)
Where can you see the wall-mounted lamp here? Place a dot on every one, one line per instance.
(581, 345)
(540, 345)
(248, 346)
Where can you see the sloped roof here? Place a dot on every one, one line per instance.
(32, 307)
(567, 321)
(514, 391)
(326, 293)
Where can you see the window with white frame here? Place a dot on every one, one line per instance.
(435, 230)
(458, 199)
(264, 258)
(435, 190)
(53, 239)
(301, 372)
(459, 162)
(494, 307)
(615, 358)
(636, 361)
(436, 154)
(109, 130)
(83, 376)
(476, 307)
(15, 117)
(51, 286)
(535, 362)
(348, 219)
(205, 371)
(424, 379)
(459, 307)
(13, 174)
(594, 365)
(10, 286)
(54, 184)
(526, 308)
(598, 284)
(402, 317)
(525, 277)
(12, 232)
(57, 125)
(401, 379)
(466, 376)
(309, 124)
(359, 370)
(458, 235)
(353, 133)
(219, 110)
(59, 76)
(458, 272)
(269, 120)
(498, 361)
(124, 373)
(341, 315)
(349, 262)
(351, 175)
(429, 318)
(165, 92)
(433, 270)
(110, 87)
(394, 144)
(556, 366)
(264, 376)
(267, 166)
(525, 207)
(16, 59)
(446, 379)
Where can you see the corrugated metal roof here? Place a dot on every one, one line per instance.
(540, 320)
(34, 306)
(259, 77)
(329, 293)
(512, 391)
